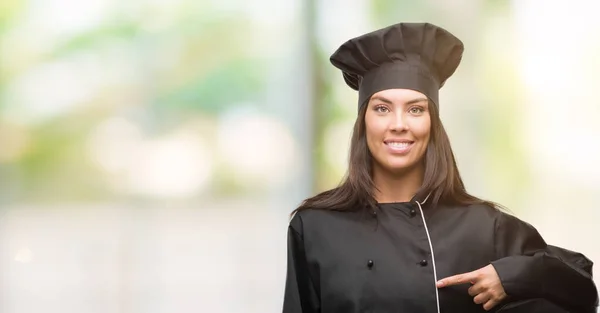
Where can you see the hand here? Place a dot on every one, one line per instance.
(486, 286)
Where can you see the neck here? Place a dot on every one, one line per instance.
(397, 187)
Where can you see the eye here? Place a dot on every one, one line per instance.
(416, 110)
(381, 109)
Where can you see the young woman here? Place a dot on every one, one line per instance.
(401, 234)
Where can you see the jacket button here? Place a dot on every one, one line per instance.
(423, 263)
(374, 213)
(413, 212)
(370, 263)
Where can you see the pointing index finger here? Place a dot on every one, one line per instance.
(457, 279)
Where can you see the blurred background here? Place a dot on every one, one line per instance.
(151, 150)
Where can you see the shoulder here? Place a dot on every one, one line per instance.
(499, 214)
(480, 211)
(507, 227)
(501, 217)
(508, 222)
(312, 220)
(505, 222)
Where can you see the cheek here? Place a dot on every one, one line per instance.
(371, 139)
(422, 129)
(373, 132)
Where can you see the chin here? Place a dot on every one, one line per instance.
(398, 168)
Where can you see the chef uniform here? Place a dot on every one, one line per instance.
(388, 259)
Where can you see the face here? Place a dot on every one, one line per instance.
(397, 127)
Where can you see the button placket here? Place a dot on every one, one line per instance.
(413, 213)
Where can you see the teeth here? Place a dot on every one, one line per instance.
(398, 144)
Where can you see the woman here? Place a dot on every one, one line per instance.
(401, 234)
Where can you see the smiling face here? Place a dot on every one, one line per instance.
(397, 127)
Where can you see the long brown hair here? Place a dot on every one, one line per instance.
(441, 181)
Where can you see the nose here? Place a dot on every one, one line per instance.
(398, 122)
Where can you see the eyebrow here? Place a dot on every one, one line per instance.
(388, 101)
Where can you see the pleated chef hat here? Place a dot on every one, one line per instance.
(418, 56)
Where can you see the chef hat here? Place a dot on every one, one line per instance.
(418, 56)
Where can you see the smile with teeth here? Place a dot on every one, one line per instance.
(399, 147)
(398, 144)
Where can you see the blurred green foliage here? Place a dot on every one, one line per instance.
(213, 64)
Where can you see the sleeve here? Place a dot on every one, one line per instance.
(529, 268)
(300, 295)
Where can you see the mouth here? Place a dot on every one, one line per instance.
(399, 146)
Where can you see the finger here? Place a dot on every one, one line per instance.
(458, 279)
(482, 298)
(476, 289)
(490, 304)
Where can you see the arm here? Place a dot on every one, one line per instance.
(300, 295)
(529, 268)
